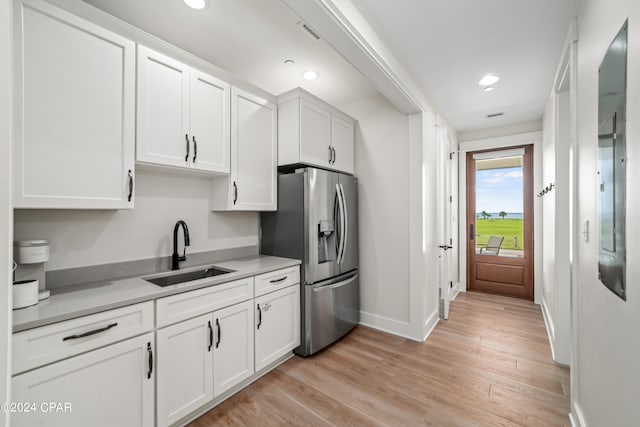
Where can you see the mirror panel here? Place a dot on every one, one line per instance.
(612, 100)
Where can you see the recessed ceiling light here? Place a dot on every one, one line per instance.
(488, 88)
(310, 75)
(488, 80)
(289, 61)
(196, 4)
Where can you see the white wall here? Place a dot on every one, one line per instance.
(82, 238)
(494, 132)
(396, 171)
(6, 212)
(381, 165)
(607, 375)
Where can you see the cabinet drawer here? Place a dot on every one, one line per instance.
(194, 303)
(279, 279)
(39, 346)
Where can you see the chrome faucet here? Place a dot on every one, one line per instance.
(175, 258)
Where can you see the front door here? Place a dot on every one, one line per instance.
(500, 221)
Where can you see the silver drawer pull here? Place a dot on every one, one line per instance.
(278, 280)
(88, 334)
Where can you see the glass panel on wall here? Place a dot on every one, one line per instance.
(499, 205)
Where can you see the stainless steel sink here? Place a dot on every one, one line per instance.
(174, 279)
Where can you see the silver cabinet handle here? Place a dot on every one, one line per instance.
(282, 279)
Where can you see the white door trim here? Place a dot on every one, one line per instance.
(534, 138)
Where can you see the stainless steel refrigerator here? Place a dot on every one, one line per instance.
(317, 222)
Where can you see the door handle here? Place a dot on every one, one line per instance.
(150, 355)
(472, 234)
(235, 192)
(186, 158)
(130, 185)
(219, 333)
(445, 247)
(259, 316)
(210, 336)
(195, 149)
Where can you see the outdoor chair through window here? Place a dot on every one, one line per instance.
(493, 245)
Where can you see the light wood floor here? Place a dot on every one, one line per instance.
(488, 365)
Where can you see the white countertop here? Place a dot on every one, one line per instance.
(80, 300)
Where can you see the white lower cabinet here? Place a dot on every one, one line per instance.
(185, 368)
(233, 354)
(278, 325)
(201, 358)
(112, 386)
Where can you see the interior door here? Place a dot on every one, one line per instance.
(444, 219)
(500, 221)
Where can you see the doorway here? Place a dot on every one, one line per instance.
(500, 221)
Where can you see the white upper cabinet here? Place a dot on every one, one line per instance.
(74, 112)
(252, 185)
(210, 122)
(163, 109)
(311, 132)
(315, 126)
(183, 115)
(342, 142)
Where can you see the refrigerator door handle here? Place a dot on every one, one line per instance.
(346, 223)
(336, 285)
(341, 224)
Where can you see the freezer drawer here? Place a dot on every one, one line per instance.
(332, 309)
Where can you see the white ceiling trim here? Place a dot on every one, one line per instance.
(342, 26)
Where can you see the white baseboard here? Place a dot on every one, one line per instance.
(576, 416)
(548, 323)
(430, 324)
(386, 324)
(548, 320)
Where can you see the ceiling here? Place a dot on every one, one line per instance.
(250, 39)
(448, 45)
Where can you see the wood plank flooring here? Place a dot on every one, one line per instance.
(488, 365)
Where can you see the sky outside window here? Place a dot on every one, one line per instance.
(499, 190)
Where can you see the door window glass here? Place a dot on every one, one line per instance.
(499, 206)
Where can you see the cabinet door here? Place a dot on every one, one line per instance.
(253, 153)
(233, 354)
(315, 134)
(185, 368)
(113, 386)
(75, 98)
(210, 137)
(343, 141)
(163, 110)
(277, 325)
